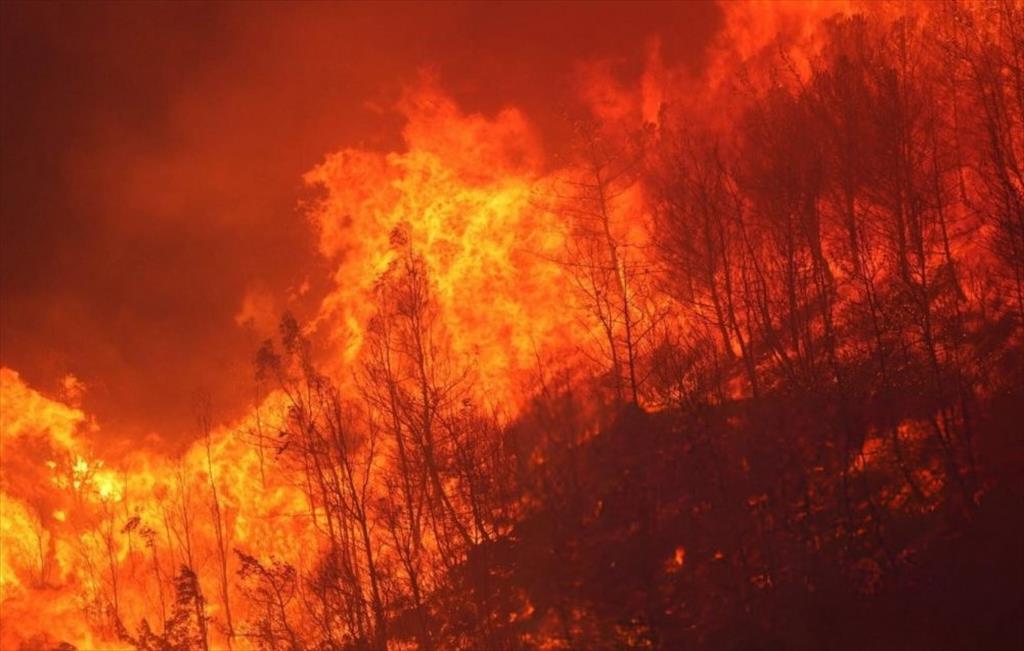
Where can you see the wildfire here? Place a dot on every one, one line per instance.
(462, 196)
(481, 283)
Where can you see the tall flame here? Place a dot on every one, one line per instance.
(467, 196)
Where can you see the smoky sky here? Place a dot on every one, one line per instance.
(152, 157)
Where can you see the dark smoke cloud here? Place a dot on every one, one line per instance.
(152, 157)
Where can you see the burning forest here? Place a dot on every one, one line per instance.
(512, 327)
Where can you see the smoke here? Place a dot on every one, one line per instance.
(153, 160)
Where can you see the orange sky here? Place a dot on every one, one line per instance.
(153, 156)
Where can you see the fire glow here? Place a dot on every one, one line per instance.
(737, 334)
